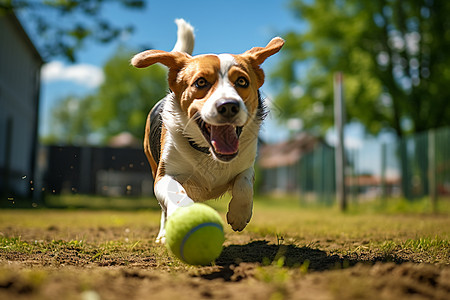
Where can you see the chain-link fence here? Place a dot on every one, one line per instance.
(414, 167)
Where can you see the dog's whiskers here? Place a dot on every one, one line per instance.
(196, 117)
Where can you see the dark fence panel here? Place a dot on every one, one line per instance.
(93, 170)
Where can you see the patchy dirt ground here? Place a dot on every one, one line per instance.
(112, 255)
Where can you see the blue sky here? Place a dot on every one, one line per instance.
(220, 26)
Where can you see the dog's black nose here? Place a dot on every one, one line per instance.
(228, 108)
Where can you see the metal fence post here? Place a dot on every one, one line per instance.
(339, 151)
(383, 172)
(432, 168)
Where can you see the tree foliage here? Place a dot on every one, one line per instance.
(120, 104)
(394, 56)
(62, 27)
(69, 125)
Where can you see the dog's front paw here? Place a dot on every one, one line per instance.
(238, 218)
(161, 238)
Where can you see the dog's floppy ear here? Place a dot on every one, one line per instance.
(173, 60)
(259, 54)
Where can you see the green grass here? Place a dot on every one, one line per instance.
(73, 201)
(15, 244)
(426, 244)
(76, 218)
(293, 240)
(281, 221)
(401, 205)
(377, 206)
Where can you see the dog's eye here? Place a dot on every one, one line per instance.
(201, 83)
(242, 82)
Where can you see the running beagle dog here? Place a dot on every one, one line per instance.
(201, 139)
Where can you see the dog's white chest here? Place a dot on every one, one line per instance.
(203, 178)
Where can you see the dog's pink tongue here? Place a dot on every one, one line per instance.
(224, 139)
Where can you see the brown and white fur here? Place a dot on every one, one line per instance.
(201, 139)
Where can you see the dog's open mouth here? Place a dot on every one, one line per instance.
(224, 139)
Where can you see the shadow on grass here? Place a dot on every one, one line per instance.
(263, 253)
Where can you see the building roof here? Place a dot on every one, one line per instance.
(371, 180)
(287, 153)
(11, 16)
(124, 139)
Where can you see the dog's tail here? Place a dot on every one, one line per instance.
(185, 37)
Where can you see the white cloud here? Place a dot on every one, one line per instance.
(297, 91)
(82, 74)
(353, 142)
(350, 142)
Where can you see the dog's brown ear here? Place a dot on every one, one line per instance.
(260, 54)
(257, 55)
(173, 60)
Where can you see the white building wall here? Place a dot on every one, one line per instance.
(19, 88)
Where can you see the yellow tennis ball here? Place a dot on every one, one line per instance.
(194, 234)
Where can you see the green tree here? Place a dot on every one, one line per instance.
(120, 104)
(394, 56)
(70, 124)
(56, 36)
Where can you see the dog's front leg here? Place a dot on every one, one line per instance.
(241, 204)
(171, 195)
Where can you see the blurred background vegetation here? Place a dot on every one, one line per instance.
(393, 54)
(66, 39)
(121, 103)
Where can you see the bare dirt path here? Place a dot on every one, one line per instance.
(112, 255)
